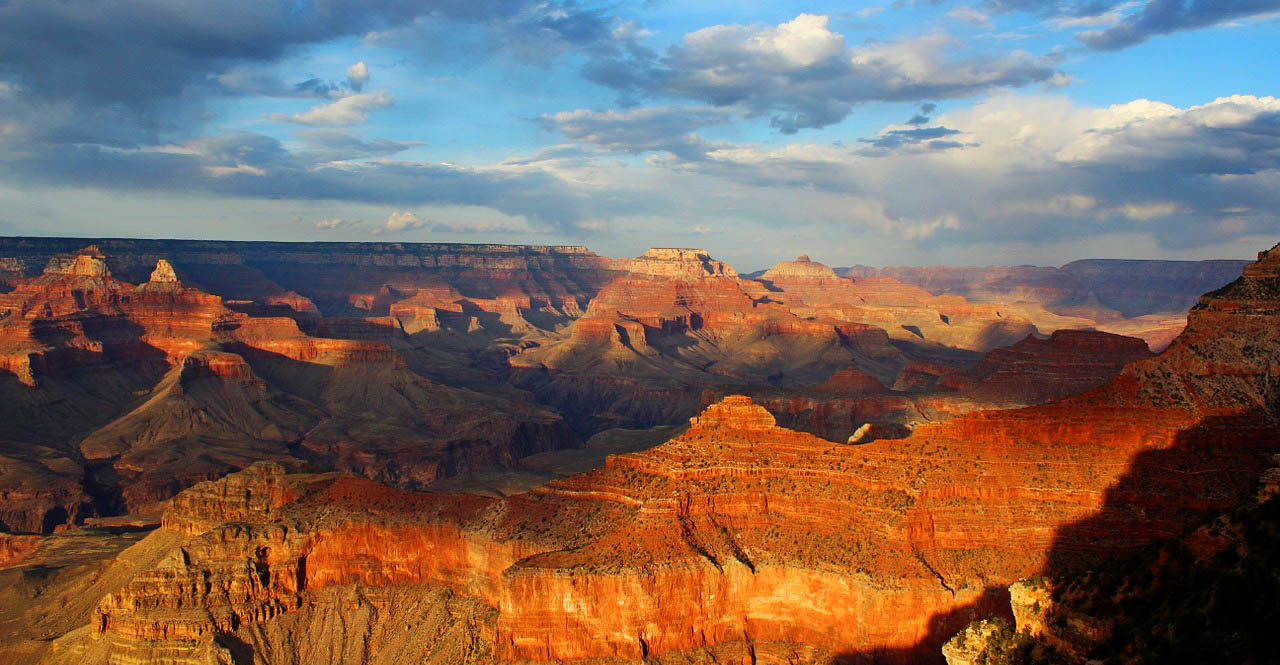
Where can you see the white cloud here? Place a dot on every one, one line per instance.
(1145, 212)
(403, 221)
(971, 16)
(1034, 168)
(238, 169)
(801, 42)
(804, 74)
(358, 76)
(1103, 20)
(330, 224)
(349, 110)
(655, 128)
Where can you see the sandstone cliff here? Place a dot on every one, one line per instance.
(117, 396)
(738, 534)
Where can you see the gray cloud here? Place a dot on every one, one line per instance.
(665, 128)
(803, 75)
(1037, 170)
(1161, 17)
(898, 138)
(1156, 17)
(333, 145)
(141, 69)
(253, 165)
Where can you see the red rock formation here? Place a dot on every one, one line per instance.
(740, 531)
(1146, 299)
(906, 312)
(683, 321)
(1039, 370)
(14, 549)
(120, 396)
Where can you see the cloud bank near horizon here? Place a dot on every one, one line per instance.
(955, 131)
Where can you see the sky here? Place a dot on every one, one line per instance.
(983, 132)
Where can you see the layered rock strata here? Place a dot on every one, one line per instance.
(740, 532)
(117, 396)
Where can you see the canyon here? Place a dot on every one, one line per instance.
(700, 466)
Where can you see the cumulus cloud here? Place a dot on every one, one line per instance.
(1230, 135)
(403, 221)
(1038, 169)
(1162, 17)
(357, 76)
(804, 75)
(226, 165)
(142, 71)
(349, 110)
(665, 128)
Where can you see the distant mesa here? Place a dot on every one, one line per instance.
(801, 268)
(680, 263)
(735, 412)
(88, 262)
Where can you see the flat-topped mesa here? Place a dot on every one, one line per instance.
(735, 412)
(216, 364)
(163, 273)
(801, 268)
(680, 263)
(88, 263)
(251, 495)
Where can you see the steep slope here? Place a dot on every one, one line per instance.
(1147, 299)
(1205, 596)
(1032, 371)
(906, 312)
(1035, 370)
(739, 535)
(681, 322)
(118, 396)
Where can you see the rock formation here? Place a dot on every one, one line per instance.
(681, 323)
(1146, 299)
(1035, 370)
(906, 312)
(119, 396)
(738, 536)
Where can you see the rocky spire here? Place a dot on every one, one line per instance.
(164, 272)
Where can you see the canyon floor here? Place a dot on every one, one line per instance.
(218, 452)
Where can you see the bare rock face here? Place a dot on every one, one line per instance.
(801, 268)
(679, 324)
(735, 412)
(89, 262)
(163, 272)
(679, 263)
(906, 312)
(1037, 370)
(738, 532)
(113, 397)
(252, 495)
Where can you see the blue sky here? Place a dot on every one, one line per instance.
(989, 132)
